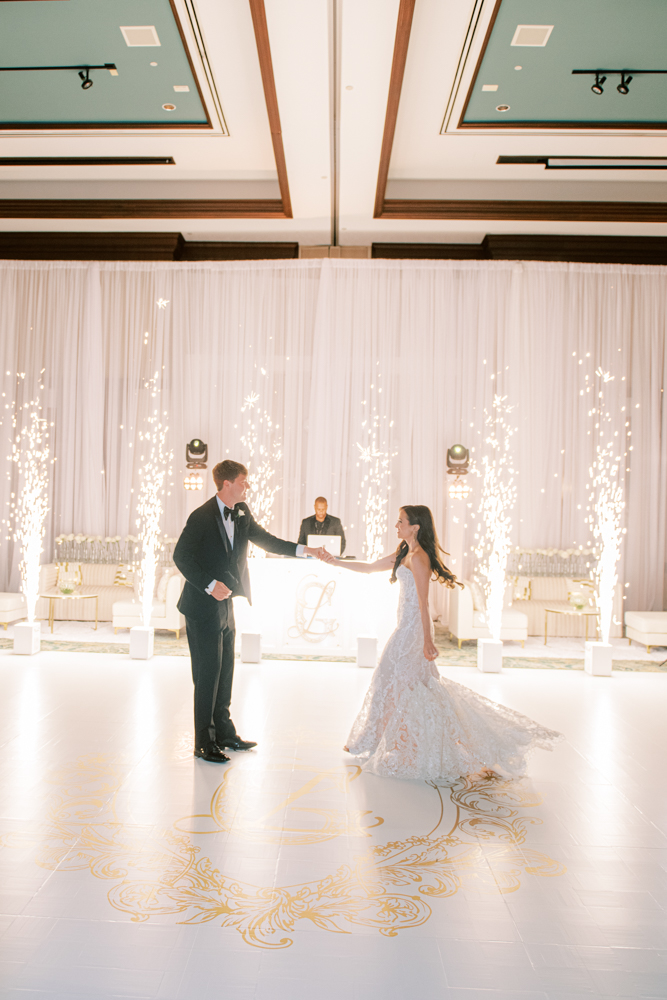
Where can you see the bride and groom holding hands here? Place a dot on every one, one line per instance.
(413, 723)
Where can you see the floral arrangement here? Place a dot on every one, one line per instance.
(576, 561)
(561, 553)
(110, 549)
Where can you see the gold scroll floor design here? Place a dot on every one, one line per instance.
(390, 887)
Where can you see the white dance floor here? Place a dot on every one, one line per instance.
(130, 870)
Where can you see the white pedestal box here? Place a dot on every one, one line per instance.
(367, 651)
(27, 638)
(597, 659)
(489, 656)
(251, 647)
(141, 642)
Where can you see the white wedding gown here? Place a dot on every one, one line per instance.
(416, 724)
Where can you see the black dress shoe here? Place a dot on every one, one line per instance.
(236, 743)
(212, 753)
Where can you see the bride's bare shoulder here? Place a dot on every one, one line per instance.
(419, 562)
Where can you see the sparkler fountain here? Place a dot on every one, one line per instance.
(498, 499)
(155, 468)
(265, 452)
(373, 496)
(606, 499)
(30, 452)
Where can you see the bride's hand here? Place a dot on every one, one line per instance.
(430, 650)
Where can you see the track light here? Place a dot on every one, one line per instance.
(597, 86)
(623, 85)
(626, 76)
(84, 71)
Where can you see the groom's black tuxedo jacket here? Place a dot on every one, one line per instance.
(203, 553)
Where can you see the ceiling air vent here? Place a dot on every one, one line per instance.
(140, 35)
(532, 34)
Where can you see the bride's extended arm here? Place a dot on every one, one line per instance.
(364, 567)
(421, 570)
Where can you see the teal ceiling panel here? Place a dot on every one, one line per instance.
(533, 84)
(155, 85)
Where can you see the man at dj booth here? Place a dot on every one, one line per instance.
(321, 523)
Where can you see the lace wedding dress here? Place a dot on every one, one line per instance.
(416, 724)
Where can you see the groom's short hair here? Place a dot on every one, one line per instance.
(227, 471)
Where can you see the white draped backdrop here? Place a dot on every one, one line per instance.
(332, 348)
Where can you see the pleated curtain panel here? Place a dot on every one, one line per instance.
(352, 378)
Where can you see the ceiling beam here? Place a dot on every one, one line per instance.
(258, 11)
(403, 27)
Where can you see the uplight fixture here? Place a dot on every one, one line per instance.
(196, 454)
(459, 489)
(193, 481)
(458, 461)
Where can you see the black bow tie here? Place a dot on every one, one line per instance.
(231, 512)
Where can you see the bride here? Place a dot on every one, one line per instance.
(415, 723)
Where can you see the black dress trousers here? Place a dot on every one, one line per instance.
(211, 643)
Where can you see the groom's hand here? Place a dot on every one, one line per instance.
(220, 591)
(325, 556)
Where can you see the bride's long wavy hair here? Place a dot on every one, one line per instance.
(427, 537)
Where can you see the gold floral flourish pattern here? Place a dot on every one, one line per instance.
(388, 887)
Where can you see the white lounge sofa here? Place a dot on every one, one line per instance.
(110, 581)
(12, 608)
(467, 622)
(554, 592)
(647, 627)
(165, 614)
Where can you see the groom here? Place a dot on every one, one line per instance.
(212, 556)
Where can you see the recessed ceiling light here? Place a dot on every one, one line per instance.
(489, 86)
(518, 67)
(503, 107)
(140, 35)
(168, 107)
(532, 34)
(181, 89)
(153, 64)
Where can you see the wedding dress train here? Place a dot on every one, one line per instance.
(416, 724)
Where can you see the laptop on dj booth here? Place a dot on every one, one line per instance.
(330, 542)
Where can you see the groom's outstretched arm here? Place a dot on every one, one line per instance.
(264, 539)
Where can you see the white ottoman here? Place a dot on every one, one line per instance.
(647, 627)
(12, 608)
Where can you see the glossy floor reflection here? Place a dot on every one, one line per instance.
(130, 870)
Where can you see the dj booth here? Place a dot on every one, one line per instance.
(305, 607)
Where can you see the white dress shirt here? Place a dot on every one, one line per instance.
(229, 528)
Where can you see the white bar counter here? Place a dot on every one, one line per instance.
(308, 608)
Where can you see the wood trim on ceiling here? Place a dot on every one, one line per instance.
(520, 246)
(258, 12)
(403, 27)
(141, 208)
(530, 211)
(30, 245)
